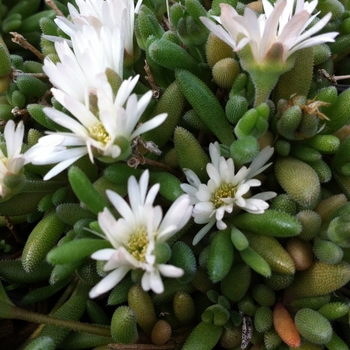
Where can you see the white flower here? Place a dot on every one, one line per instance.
(225, 190)
(99, 14)
(90, 55)
(279, 24)
(101, 136)
(135, 235)
(13, 161)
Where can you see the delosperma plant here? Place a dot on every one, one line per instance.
(176, 175)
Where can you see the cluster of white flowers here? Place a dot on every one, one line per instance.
(100, 121)
(100, 32)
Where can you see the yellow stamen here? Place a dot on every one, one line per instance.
(138, 244)
(99, 133)
(224, 191)
(4, 160)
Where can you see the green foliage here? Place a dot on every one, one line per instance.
(271, 223)
(85, 191)
(141, 303)
(75, 250)
(204, 336)
(313, 326)
(236, 283)
(299, 180)
(195, 160)
(41, 240)
(220, 257)
(205, 104)
(183, 257)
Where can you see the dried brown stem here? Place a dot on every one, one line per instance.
(332, 78)
(149, 77)
(12, 230)
(17, 73)
(139, 159)
(20, 40)
(52, 4)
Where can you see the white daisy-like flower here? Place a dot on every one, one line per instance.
(13, 161)
(284, 23)
(103, 135)
(225, 190)
(91, 54)
(135, 235)
(98, 14)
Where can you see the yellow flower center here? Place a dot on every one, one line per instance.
(138, 244)
(224, 191)
(4, 160)
(99, 133)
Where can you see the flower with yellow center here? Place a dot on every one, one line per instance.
(267, 44)
(106, 134)
(225, 190)
(136, 234)
(13, 161)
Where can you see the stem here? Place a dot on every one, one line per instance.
(52, 4)
(20, 40)
(14, 312)
(263, 83)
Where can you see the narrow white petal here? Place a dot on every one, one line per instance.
(103, 254)
(191, 177)
(170, 271)
(120, 204)
(152, 280)
(202, 232)
(149, 125)
(108, 282)
(109, 226)
(62, 166)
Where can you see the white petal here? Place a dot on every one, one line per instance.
(149, 125)
(108, 282)
(191, 177)
(170, 270)
(103, 254)
(202, 232)
(152, 280)
(120, 204)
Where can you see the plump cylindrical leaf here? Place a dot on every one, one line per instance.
(313, 326)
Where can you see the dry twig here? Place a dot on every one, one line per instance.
(20, 40)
